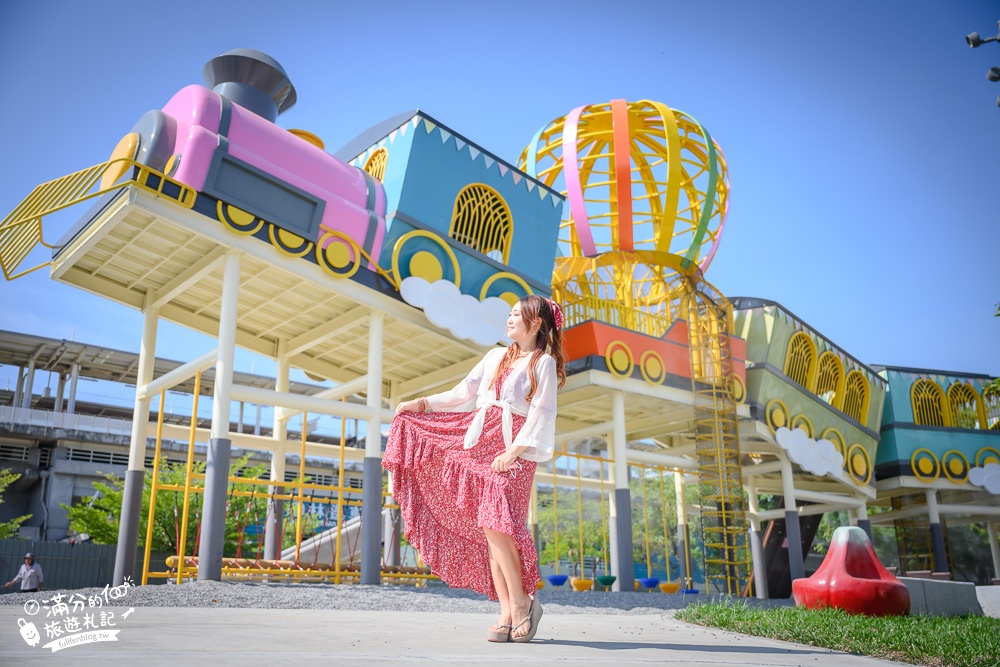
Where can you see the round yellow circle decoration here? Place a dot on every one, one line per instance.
(739, 391)
(955, 465)
(777, 414)
(987, 455)
(425, 265)
(652, 367)
(925, 465)
(859, 464)
(338, 255)
(619, 359)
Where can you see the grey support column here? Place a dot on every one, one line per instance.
(19, 387)
(60, 392)
(128, 527)
(621, 520)
(213, 525)
(864, 524)
(793, 532)
(937, 533)
(371, 494)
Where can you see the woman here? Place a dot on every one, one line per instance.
(463, 462)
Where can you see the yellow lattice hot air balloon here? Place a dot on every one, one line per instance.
(647, 192)
(676, 192)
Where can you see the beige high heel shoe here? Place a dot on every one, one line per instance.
(499, 636)
(532, 618)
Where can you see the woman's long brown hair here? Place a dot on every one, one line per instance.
(536, 312)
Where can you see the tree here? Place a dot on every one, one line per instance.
(9, 528)
(99, 515)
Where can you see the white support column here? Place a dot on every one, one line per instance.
(60, 392)
(213, 526)
(796, 559)
(371, 494)
(621, 525)
(991, 532)
(279, 433)
(128, 527)
(29, 383)
(683, 544)
(74, 376)
(861, 512)
(756, 548)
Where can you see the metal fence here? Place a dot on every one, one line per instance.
(65, 565)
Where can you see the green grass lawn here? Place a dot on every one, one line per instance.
(958, 641)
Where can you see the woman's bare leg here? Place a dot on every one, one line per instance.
(500, 583)
(505, 554)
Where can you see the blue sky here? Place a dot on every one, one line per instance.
(862, 138)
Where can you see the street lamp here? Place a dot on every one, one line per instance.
(974, 40)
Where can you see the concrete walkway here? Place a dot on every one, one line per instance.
(191, 637)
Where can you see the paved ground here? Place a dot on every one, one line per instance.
(190, 637)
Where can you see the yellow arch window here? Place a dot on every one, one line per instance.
(856, 396)
(482, 221)
(375, 166)
(991, 410)
(830, 379)
(965, 408)
(800, 359)
(928, 401)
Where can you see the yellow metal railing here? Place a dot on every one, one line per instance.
(613, 312)
(21, 230)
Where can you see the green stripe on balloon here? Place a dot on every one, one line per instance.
(706, 211)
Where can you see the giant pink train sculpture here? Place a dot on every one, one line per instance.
(224, 143)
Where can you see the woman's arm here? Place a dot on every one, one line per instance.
(462, 397)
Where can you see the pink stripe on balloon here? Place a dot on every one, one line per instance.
(574, 192)
(623, 176)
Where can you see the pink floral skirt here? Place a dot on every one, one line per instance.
(448, 494)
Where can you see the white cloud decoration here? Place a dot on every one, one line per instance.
(987, 477)
(820, 457)
(483, 322)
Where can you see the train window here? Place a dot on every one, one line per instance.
(481, 220)
(856, 397)
(964, 403)
(800, 359)
(830, 379)
(375, 166)
(928, 403)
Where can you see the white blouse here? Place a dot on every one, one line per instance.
(473, 393)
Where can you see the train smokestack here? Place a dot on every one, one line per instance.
(252, 79)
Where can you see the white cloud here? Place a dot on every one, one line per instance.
(483, 322)
(987, 477)
(819, 457)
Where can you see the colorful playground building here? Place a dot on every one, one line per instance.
(701, 438)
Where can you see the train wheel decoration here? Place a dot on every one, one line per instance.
(776, 413)
(619, 359)
(499, 280)
(739, 390)
(986, 456)
(338, 254)
(802, 422)
(859, 464)
(955, 466)
(925, 465)
(652, 367)
(237, 220)
(429, 262)
(833, 435)
(288, 242)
